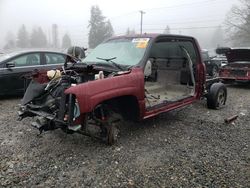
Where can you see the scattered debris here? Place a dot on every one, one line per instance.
(230, 119)
(131, 183)
(242, 114)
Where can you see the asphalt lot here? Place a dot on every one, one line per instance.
(191, 147)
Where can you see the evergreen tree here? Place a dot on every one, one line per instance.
(55, 36)
(167, 30)
(38, 38)
(23, 37)
(66, 41)
(9, 45)
(109, 31)
(10, 41)
(130, 32)
(99, 28)
(42, 38)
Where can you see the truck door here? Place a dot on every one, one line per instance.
(172, 76)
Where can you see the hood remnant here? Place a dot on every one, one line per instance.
(235, 54)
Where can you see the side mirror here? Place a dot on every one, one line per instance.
(148, 69)
(10, 65)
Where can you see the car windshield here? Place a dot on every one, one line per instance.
(125, 51)
(7, 56)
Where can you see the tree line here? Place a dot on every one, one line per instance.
(36, 39)
(100, 28)
(237, 27)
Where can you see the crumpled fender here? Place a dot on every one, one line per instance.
(92, 93)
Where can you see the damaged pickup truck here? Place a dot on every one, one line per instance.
(124, 78)
(238, 66)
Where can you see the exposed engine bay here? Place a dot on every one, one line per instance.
(51, 108)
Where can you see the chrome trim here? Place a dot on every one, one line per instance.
(46, 65)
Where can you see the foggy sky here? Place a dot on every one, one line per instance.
(72, 16)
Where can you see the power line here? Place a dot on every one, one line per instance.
(184, 22)
(180, 28)
(175, 28)
(185, 4)
(169, 7)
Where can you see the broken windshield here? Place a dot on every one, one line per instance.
(128, 51)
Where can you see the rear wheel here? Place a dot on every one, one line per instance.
(217, 96)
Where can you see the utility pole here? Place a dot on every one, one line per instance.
(55, 35)
(141, 18)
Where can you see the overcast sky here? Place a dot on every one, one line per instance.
(190, 17)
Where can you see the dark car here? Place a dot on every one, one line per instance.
(212, 65)
(77, 51)
(13, 66)
(127, 78)
(238, 67)
(220, 60)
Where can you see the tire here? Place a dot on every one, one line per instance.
(217, 96)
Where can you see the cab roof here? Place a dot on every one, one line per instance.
(149, 35)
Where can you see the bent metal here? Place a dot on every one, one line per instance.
(125, 78)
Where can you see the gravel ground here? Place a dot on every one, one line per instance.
(192, 147)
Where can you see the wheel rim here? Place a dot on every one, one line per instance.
(221, 98)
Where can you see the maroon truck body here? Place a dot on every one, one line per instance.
(92, 93)
(132, 83)
(140, 77)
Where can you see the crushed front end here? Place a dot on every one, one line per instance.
(46, 101)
